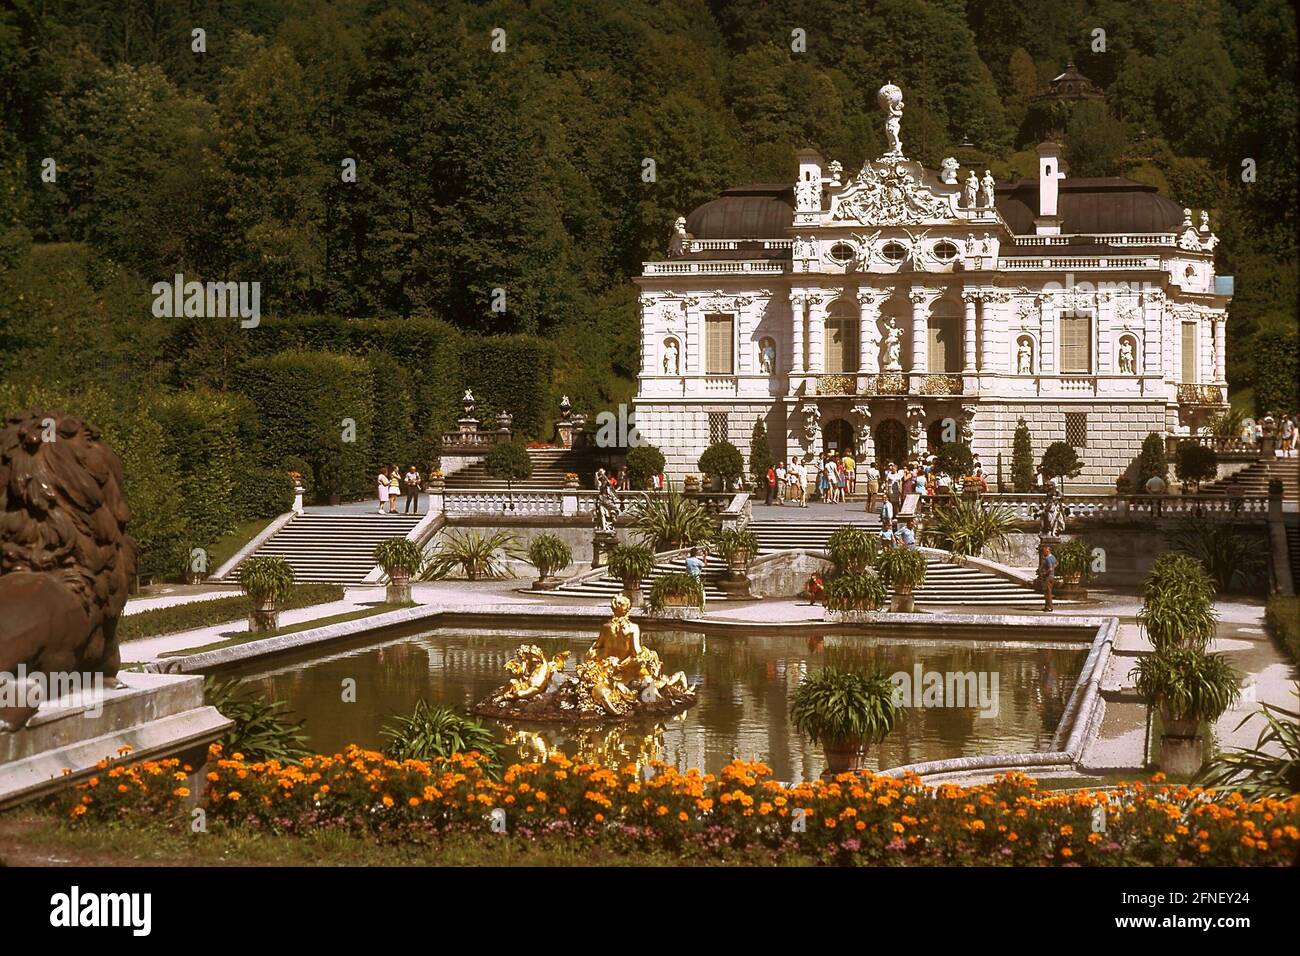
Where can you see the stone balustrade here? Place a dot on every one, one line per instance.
(1029, 264)
(569, 502)
(1100, 509)
(714, 267)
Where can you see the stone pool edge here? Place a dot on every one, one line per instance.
(1076, 731)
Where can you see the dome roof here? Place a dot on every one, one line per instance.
(760, 211)
(1091, 205)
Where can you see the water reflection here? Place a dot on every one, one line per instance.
(743, 707)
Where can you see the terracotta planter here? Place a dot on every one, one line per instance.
(632, 588)
(679, 600)
(902, 602)
(399, 587)
(843, 756)
(548, 582)
(692, 484)
(265, 616)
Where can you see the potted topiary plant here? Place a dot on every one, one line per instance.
(267, 581)
(631, 564)
(722, 460)
(902, 569)
(845, 712)
(676, 594)
(736, 546)
(1073, 567)
(401, 559)
(548, 554)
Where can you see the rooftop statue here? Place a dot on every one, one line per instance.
(890, 98)
(618, 677)
(65, 557)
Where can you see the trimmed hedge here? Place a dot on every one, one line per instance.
(188, 617)
(1282, 616)
(303, 399)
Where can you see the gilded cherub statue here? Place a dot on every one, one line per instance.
(532, 671)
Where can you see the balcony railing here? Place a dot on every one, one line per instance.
(1108, 238)
(714, 267)
(1027, 264)
(1095, 509)
(1194, 394)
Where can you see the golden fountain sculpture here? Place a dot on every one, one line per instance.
(618, 678)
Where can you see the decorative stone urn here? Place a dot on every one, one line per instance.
(902, 602)
(399, 587)
(1181, 745)
(265, 616)
(692, 484)
(843, 756)
(736, 583)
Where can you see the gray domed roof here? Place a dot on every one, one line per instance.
(1091, 205)
(760, 211)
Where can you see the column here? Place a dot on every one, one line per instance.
(868, 344)
(1045, 360)
(1220, 340)
(796, 340)
(694, 335)
(968, 333)
(649, 336)
(989, 332)
(920, 333)
(816, 333)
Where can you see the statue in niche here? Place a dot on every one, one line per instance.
(893, 346)
(890, 98)
(1127, 357)
(970, 191)
(672, 358)
(767, 357)
(1025, 357)
(986, 190)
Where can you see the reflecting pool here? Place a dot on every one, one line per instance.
(745, 684)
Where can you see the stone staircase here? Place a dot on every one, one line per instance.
(1254, 479)
(945, 582)
(607, 586)
(335, 549)
(550, 465)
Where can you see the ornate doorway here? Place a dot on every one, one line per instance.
(891, 441)
(837, 436)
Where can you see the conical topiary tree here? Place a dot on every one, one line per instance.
(1022, 460)
(1151, 460)
(760, 455)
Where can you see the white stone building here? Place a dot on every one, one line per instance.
(897, 307)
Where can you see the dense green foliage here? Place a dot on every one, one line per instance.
(1178, 603)
(548, 554)
(1231, 554)
(955, 459)
(722, 459)
(263, 729)
(1022, 460)
(475, 554)
(1195, 463)
(677, 585)
(857, 591)
(1061, 461)
(732, 542)
(967, 526)
(1074, 557)
(631, 562)
(760, 455)
(266, 578)
(852, 549)
(1151, 461)
(399, 554)
(643, 463)
(431, 731)
(1271, 768)
(670, 520)
(1282, 615)
(509, 462)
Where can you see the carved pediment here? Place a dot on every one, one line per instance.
(889, 194)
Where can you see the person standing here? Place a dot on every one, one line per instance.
(1048, 572)
(873, 486)
(770, 478)
(412, 482)
(381, 487)
(849, 466)
(695, 568)
(886, 513)
(394, 488)
(906, 537)
(798, 483)
(781, 489)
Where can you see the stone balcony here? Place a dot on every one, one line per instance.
(1196, 394)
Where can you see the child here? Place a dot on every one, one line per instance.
(815, 589)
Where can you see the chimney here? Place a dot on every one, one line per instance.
(1051, 169)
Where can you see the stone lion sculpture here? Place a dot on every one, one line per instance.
(65, 557)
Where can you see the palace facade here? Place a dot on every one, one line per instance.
(897, 308)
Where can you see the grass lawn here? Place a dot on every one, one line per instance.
(224, 548)
(196, 614)
(246, 637)
(31, 836)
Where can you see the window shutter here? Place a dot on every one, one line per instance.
(1189, 353)
(718, 345)
(841, 345)
(1076, 344)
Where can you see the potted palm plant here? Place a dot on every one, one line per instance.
(401, 559)
(676, 594)
(669, 521)
(902, 569)
(548, 554)
(1188, 685)
(267, 581)
(477, 555)
(632, 564)
(844, 711)
(736, 546)
(856, 597)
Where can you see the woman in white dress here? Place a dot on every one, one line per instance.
(381, 485)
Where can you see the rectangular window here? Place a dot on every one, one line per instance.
(717, 427)
(945, 344)
(718, 345)
(841, 345)
(1076, 429)
(1076, 344)
(1189, 354)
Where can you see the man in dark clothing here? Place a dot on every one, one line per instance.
(411, 488)
(1048, 571)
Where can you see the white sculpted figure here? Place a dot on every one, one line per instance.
(949, 174)
(767, 360)
(1126, 363)
(672, 363)
(986, 190)
(1025, 358)
(893, 346)
(970, 191)
(679, 243)
(890, 98)
(836, 169)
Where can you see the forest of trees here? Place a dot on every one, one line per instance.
(522, 170)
